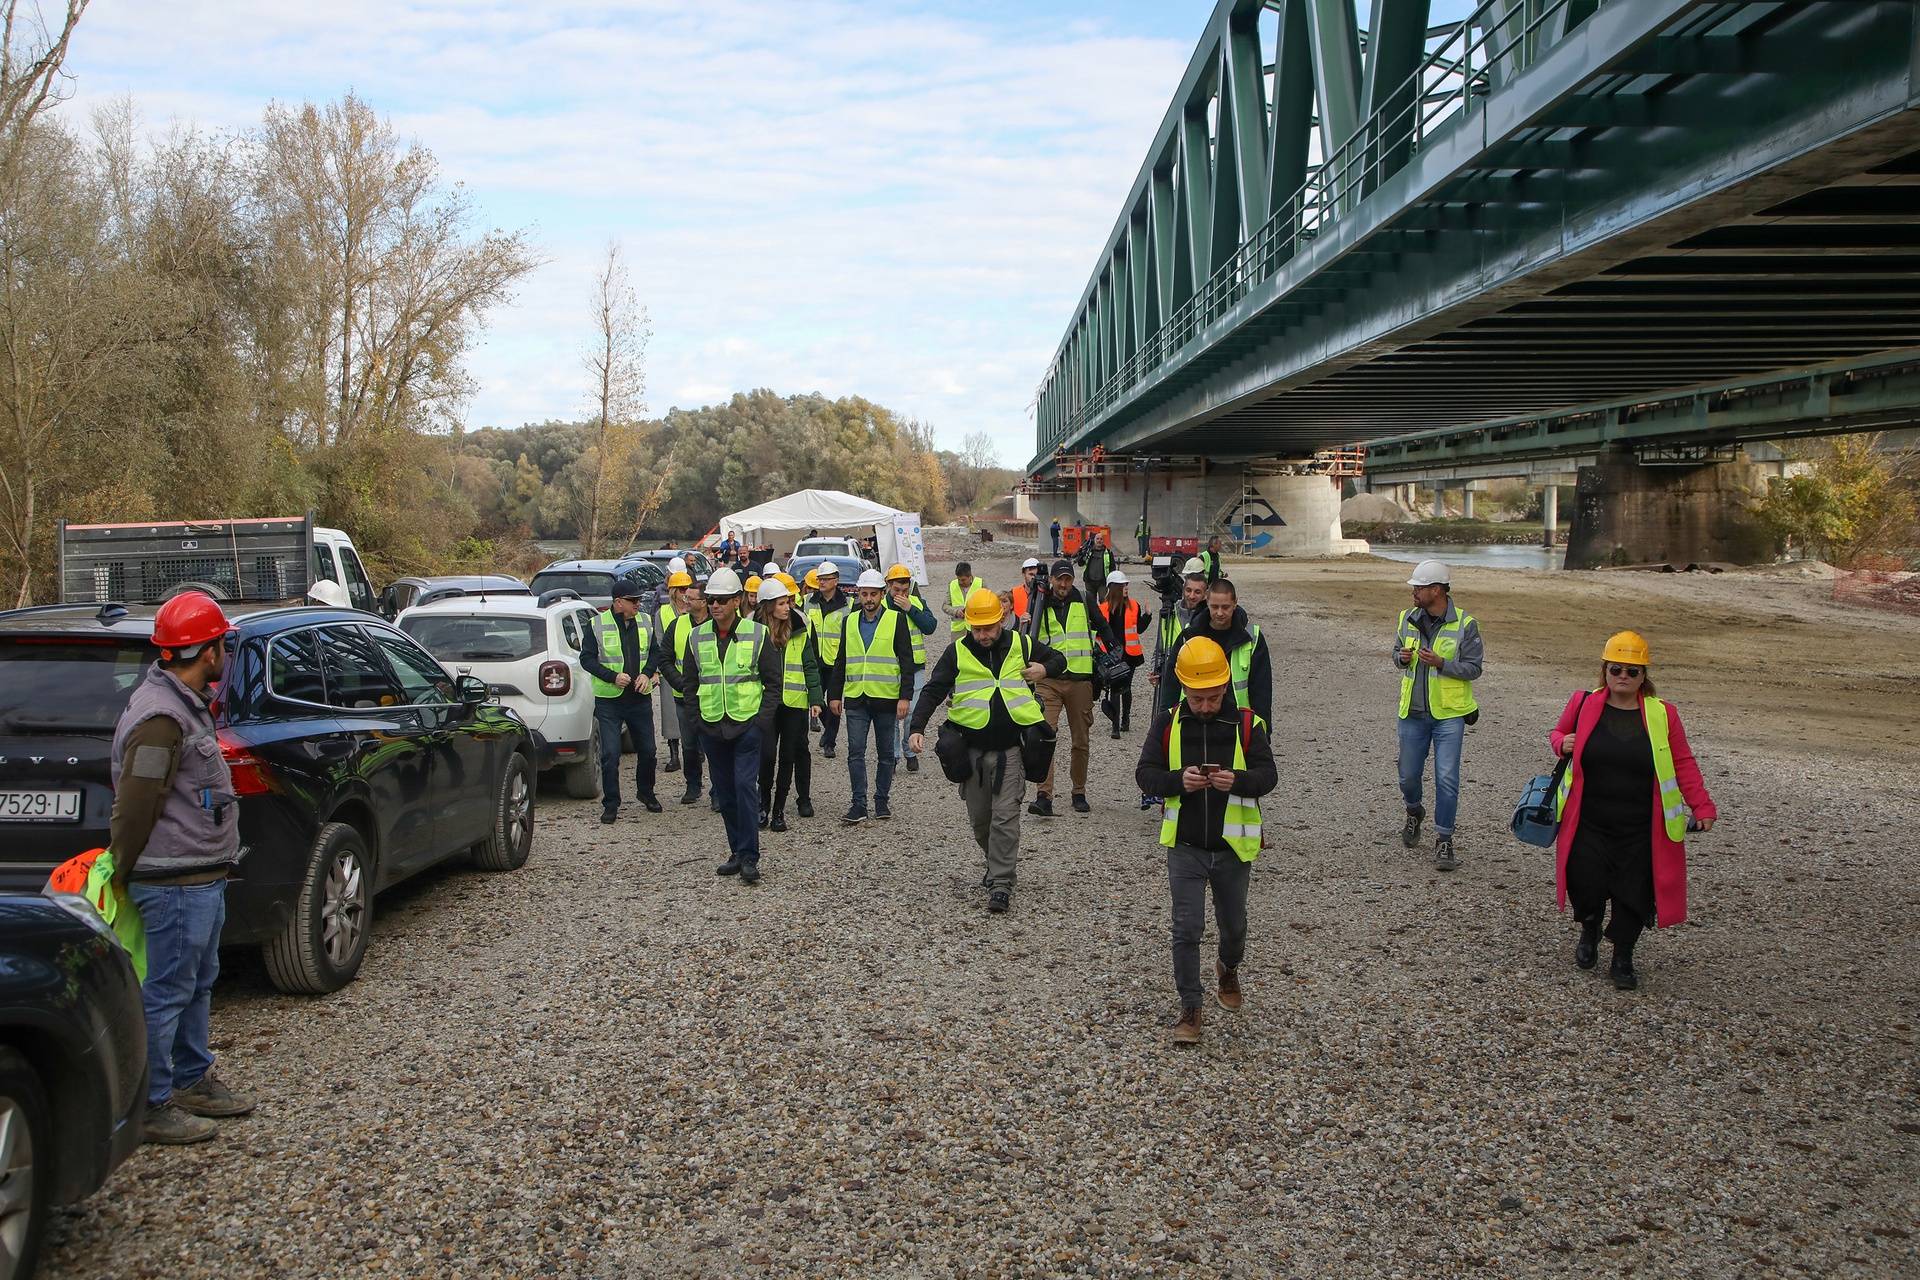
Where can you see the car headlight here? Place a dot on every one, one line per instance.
(77, 906)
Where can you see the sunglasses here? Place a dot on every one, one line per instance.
(1632, 673)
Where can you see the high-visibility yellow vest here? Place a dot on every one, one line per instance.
(975, 687)
(1074, 640)
(1242, 826)
(1673, 811)
(611, 654)
(664, 615)
(875, 672)
(793, 687)
(730, 685)
(1447, 698)
(913, 632)
(957, 597)
(827, 632)
(1241, 662)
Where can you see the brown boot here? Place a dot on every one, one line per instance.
(1229, 985)
(1187, 1030)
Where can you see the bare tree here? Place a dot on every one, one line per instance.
(978, 458)
(617, 362)
(32, 71)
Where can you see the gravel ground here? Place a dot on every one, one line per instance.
(613, 1063)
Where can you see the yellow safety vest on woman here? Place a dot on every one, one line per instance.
(1447, 698)
(1242, 826)
(1672, 807)
(975, 688)
(612, 656)
(793, 688)
(875, 672)
(1074, 640)
(730, 685)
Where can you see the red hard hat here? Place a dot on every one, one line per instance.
(188, 620)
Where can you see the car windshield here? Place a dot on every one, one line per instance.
(587, 584)
(477, 638)
(50, 685)
(826, 547)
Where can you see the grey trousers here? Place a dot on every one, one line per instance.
(1189, 872)
(669, 719)
(994, 791)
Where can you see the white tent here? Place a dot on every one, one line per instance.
(783, 521)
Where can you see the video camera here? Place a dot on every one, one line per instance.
(1166, 578)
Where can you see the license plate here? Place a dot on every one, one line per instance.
(39, 806)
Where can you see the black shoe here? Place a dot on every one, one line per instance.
(779, 822)
(652, 803)
(881, 811)
(692, 793)
(1042, 807)
(804, 808)
(713, 802)
(731, 867)
(1410, 834)
(827, 752)
(673, 759)
(765, 819)
(999, 900)
(1080, 805)
(1114, 732)
(857, 814)
(1443, 855)
(913, 764)
(1586, 952)
(1620, 969)
(609, 816)
(750, 873)
(1147, 802)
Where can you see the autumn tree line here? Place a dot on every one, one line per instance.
(276, 320)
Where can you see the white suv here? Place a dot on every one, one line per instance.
(528, 652)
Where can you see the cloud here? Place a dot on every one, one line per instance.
(889, 199)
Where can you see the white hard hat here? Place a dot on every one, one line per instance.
(1193, 565)
(872, 578)
(1117, 577)
(1030, 563)
(770, 567)
(328, 592)
(677, 565)
(772, 589)
(827, 569)
(724, 582)
(1429, 573)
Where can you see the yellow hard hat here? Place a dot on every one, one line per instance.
(813, 579)
(753, 584)
(983, 608)
(899, 571)
(786, 579)
(1626, 646)
(680, 579)
(1202, 664)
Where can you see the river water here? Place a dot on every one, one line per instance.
(1487, 557)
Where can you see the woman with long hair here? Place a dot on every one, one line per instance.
(1624, 803)
(1128, 621)
(801, 698)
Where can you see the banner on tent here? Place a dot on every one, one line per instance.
(901, 543)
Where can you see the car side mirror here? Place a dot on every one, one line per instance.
(472, 690)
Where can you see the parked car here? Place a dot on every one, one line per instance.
(528, 652)
(73, 1063)
(357, 758)
(851, 567)
(697, 563)
(405, 593)
(828, 547)
(592, 580)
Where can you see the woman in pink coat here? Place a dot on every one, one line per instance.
(1624, 802)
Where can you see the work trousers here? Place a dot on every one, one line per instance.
(829, 729)
(183, 925)
(1143, 544)
(910, 690)
(691, 757)
(995, 787)
(1075, 697)
(669, 713)
(859, 716)
(1190, 871)
(1116, 701)
(636, 715)
(735, 764)
(1418, 732)
(789, 754)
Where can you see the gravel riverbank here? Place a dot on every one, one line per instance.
(615, 1064)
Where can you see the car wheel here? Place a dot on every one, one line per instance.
(511, 840)
(583, 779)
(25, 1151)
(322, 945)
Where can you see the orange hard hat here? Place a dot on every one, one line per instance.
(188, 621)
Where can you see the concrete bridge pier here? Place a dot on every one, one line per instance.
(1629, 513)
(1549, 513)
(1269, 515)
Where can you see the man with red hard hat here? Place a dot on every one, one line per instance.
(175, 839)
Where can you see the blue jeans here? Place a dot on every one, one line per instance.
(1416, 733)
(183, 958)
(885, 734)
(733, 767)
(909, 689)
(636, 714)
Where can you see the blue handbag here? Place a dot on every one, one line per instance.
(1534, 821)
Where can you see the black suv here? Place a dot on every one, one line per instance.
(73, 1063)
(358, 761)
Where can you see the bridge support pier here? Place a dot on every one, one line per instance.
(1466, 502)
(1627, 513)
(1285, 515)
(1549, 513)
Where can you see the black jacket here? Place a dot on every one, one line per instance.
(1001, 733)
(1096, 621)
(1208, 740)
(1259, 675)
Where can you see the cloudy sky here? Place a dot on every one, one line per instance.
(879, 197)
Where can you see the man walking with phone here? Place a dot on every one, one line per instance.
(1440, 654)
